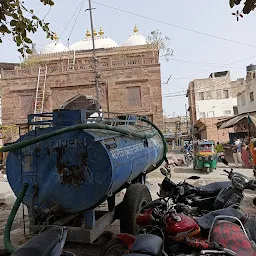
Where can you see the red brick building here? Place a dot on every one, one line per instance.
(129, 80)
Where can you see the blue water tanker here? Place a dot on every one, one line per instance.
(73, 163)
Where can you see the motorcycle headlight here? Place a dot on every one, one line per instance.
(239, 182)
(200, 158)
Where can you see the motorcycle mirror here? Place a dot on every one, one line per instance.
(224, 161)
(193, 178)
(163, 171)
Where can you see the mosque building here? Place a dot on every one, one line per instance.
(64, 77)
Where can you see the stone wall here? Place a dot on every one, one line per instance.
(130, 82)
(208, 130)
(247, 99)
(213, 96)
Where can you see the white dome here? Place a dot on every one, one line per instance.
(135, 39)
(100, 42)
(53, 47)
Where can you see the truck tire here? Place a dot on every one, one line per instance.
(136, 196)
(114, 247)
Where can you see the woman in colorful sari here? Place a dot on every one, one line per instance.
(246, 156)
(252, 146)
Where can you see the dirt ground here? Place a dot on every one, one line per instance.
(17, 235)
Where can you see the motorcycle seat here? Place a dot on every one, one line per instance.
(212, 188)
(205, 221)
(136, 254)
(40, 245)
(231, 236)
(148, 244)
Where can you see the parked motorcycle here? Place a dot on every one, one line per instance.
(183, 235)
(188, 158)
(216, 195)
(50, 241)
(221, 156)
(152, 245)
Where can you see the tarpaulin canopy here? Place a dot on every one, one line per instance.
(236, 119)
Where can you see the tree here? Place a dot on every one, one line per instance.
(248, 6)
(159, 43)
(17, 20)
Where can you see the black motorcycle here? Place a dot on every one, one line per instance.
(216, 195)
(50, 241)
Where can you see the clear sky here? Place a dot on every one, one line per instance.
(195, 55)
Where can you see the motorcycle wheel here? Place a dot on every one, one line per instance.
(208, 170)
(114, 247)
(136, 196)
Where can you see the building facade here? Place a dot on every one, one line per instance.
(246, 100)
(175, 125)
(176, 129)
(206, 129)
(129, 80)
(215, 96)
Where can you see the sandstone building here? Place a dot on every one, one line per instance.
(246, 99)
(129, 79)
(209, 100)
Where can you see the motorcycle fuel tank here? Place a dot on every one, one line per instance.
(178, 230)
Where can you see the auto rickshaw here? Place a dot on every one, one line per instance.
(205, 157)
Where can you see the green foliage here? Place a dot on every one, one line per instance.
(248, 6)
(33, 61)
(18, 21)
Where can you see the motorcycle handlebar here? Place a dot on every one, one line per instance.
(226, 171)
(251, 185)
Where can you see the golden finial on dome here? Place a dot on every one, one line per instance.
(101, 32)
(135, 30)
(95, 32)
(88, 33)
(55, 37)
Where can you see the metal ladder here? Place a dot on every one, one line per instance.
(72, 60)
(40, 91)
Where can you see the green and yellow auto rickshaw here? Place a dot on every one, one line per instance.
(205, 157)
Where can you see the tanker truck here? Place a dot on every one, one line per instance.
(69, 163)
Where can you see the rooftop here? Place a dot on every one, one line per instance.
(8, 66)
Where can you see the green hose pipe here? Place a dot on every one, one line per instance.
(7, 230)
(164, 143)
(49, 135)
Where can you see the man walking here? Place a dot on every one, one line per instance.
(237, 149)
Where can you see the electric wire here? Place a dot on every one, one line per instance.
(179, 93)
(173, 25)
(72, 29)
(208, 70)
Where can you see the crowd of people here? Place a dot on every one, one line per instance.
(244, 152)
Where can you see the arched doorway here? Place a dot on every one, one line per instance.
(81, 101)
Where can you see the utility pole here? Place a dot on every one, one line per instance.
(187, 119)
(97, 89)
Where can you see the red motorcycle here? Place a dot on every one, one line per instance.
(183, 235)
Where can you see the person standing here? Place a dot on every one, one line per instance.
(246, 156)
(237, 148)
(252, 147)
